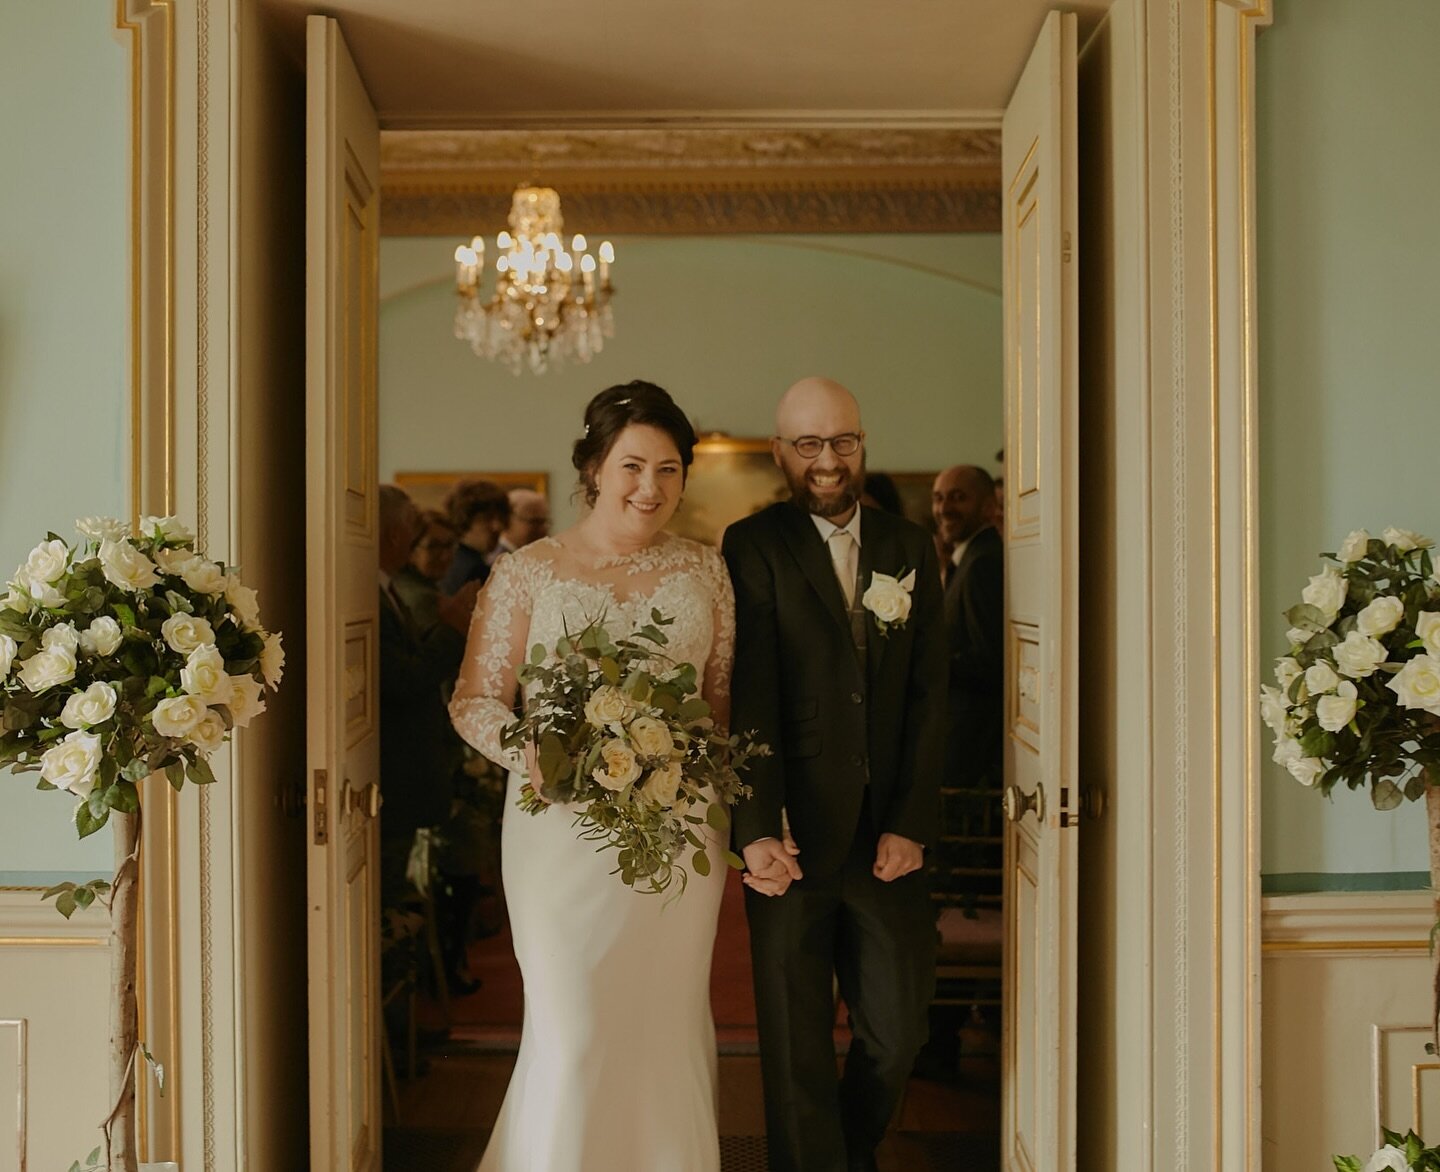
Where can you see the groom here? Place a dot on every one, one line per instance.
(854, 709)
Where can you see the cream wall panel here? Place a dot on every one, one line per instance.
(1346, 993)
(54, 1022)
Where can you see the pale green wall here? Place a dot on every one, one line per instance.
(64, 139)
(911, 323)
(1348, 110)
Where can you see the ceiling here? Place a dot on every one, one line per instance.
(577, 63)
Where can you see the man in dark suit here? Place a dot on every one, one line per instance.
(854, 709)
(963, 505)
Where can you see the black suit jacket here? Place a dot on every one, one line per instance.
(419, 751)
(798, 684)
(975, 615)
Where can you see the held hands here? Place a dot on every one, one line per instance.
(770, 865)
(896, 856)
(455, 609)
(532, 771)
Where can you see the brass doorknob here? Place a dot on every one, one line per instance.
(365, 800)
(1017, 802)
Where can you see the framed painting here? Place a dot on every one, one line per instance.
(730, 478)
(429, 489)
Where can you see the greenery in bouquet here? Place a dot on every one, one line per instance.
(621, 732)
(1401, 1153)
(122, 656)
(1357, 699)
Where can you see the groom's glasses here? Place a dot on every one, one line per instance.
(847, 443)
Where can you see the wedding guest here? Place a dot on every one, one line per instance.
(529, 521)
(419, 579)
(479, 510)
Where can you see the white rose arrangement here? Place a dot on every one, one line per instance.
(1400, 1153)
(888, 599)
(1357, 699)
(623, 737)
(126, 655)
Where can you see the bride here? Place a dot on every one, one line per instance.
(616, 1069)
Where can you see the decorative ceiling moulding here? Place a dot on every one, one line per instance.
(688, 181)
(566, 120)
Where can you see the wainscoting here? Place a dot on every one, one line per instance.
(1346, 993)
(54, 1019)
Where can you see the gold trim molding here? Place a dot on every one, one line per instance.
(698, 181)
(22, 1072)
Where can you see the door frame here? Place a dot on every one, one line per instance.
(1189, 1044)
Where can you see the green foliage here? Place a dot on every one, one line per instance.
(649, 832)
(1417, 1156)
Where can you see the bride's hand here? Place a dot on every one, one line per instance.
(532, 770)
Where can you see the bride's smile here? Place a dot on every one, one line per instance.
(637, 487)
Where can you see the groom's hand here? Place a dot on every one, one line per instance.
(896, 856)
(770, 865)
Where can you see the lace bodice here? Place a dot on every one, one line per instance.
(536, 594)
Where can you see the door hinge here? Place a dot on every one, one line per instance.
(1065, 248)
(322, 808)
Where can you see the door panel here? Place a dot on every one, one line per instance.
(1039, 220)
(342, 243)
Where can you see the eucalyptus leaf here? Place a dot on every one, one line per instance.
(701, 863)
(1385, 794)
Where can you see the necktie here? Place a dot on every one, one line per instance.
(842, 551)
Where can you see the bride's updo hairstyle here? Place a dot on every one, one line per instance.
(614, 409)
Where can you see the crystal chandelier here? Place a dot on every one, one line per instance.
(550, 304)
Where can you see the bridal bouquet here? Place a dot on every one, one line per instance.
(1358, 696)
(621, 732)
(1401, 1153)
(122, 656)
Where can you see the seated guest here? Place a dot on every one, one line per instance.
(419, 579)
(479, 511)
(529, 521)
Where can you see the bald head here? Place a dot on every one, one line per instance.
(962, 502)
(816, 406)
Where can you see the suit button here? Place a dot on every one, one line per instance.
(856, 698)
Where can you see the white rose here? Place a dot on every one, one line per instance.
(1335, 712)
(1306, 770)
(1381, 617)
(663, 784)
(61, 635)
(1404, 540)
(204, 675)
(103, 528)
(175, 561)
(887, 598)
(1274, 705)
(607, 707)
(1417, 684)
(165, 529)
(1287, 749)
(46, 562)
(8, 647)
(43, 593)
(178, 716)
(1326, 591)
(1297, 637)
(209, 734)
(1359, 655)
(1352, 549)
(1388, 1159)
(1427, 626)
(272, 660)
(71, 763)
(95, 705)
(184, 633)
(618, 767)
(651, 737)
(126, 566)
(243, 601)
(102, 637)
(47, 668)
(246, 700)
(1287, 670)
(15, 601)
(1321, 678)
(204, 577)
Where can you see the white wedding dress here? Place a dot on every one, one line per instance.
(617, 1063)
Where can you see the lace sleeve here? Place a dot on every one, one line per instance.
(485, 694)
(722, 650)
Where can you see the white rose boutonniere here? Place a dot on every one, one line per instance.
(888, 599)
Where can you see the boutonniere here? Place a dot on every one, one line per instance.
(888, 599)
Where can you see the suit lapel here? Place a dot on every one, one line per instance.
(806, 547)
(879, 551)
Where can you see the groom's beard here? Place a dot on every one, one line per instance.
(842, 500)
